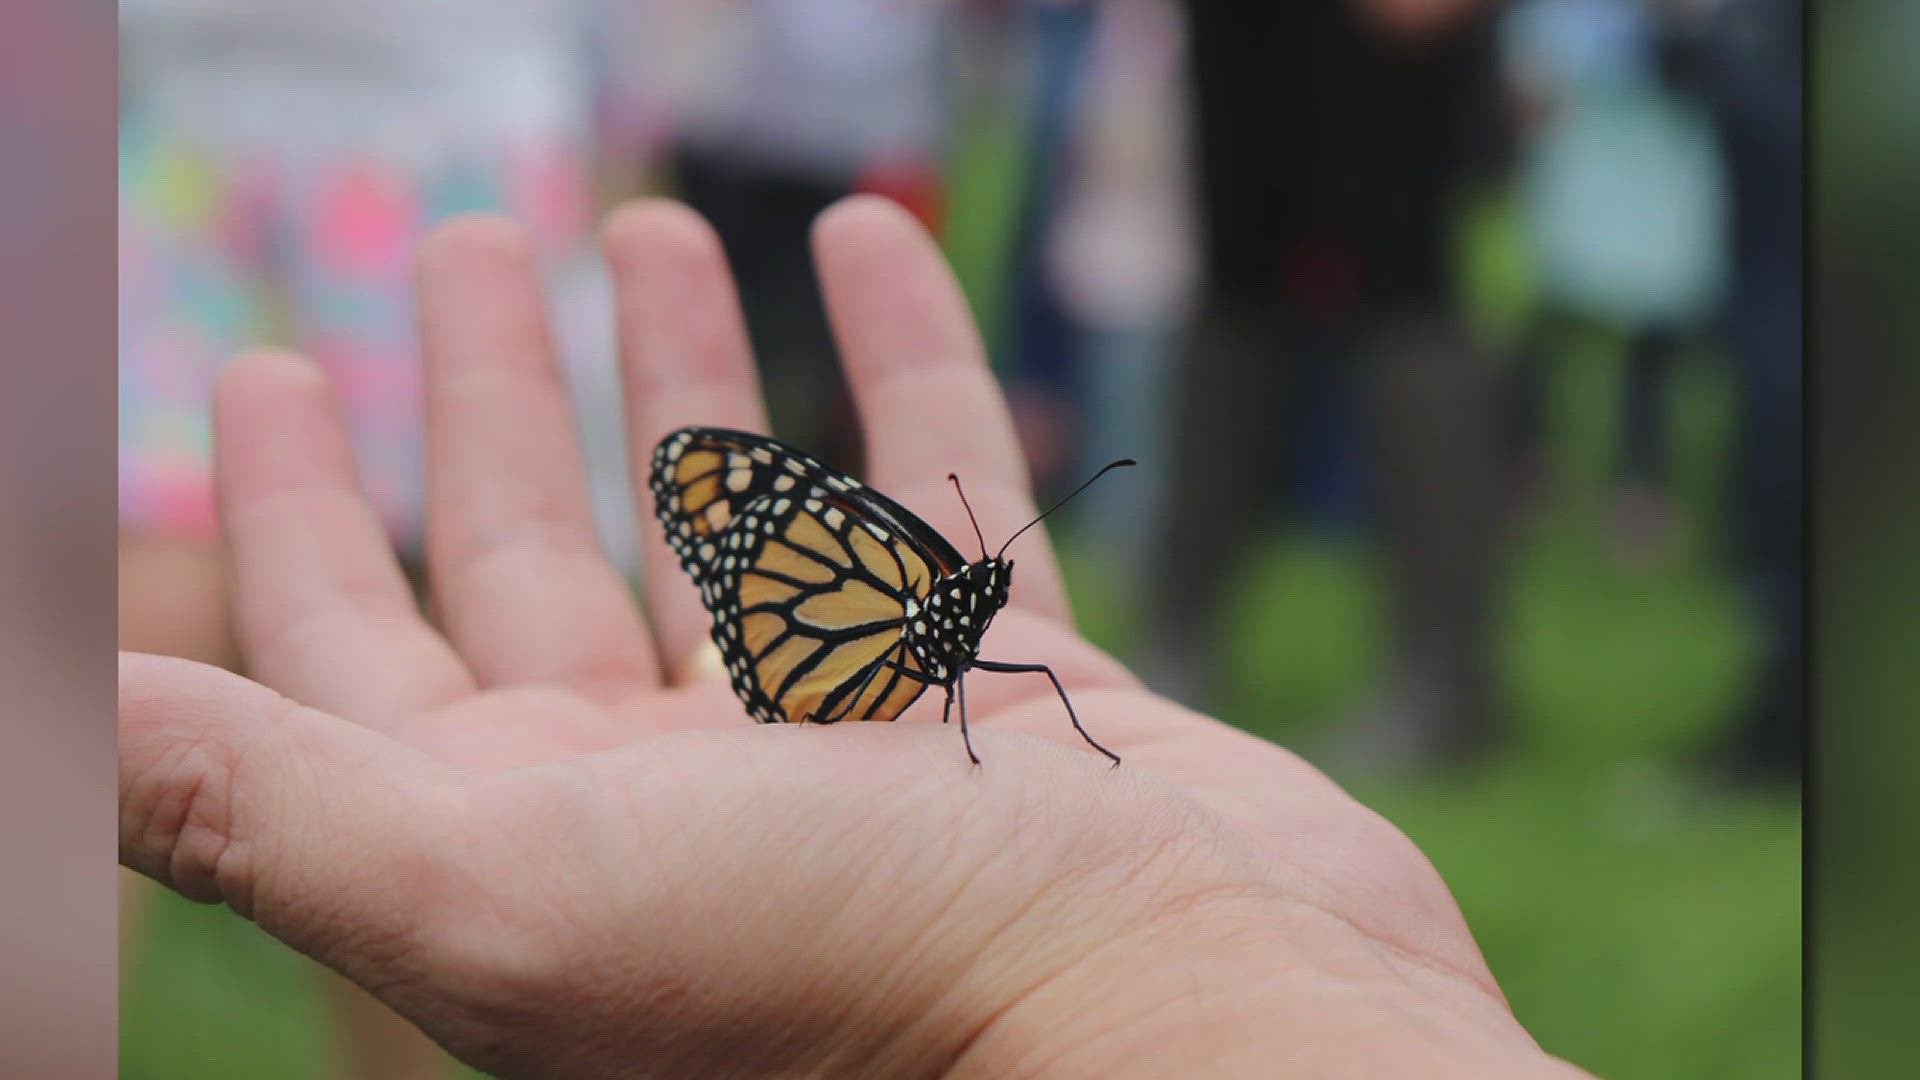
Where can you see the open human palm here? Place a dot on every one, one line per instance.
(540, 826)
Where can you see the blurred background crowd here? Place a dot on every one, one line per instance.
(1460, 341)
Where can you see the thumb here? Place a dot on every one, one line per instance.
(303, 822)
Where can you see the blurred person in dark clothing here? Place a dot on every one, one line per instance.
(779, 108)
(1748, 57)
(1332, 137)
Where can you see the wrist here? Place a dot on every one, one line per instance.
(1254, 987)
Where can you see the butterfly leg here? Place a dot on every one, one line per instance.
(957, 686)
(960, 686)
(990, 665)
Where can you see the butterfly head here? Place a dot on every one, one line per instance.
(943, 630)
(992, 577)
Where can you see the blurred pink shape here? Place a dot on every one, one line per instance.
(363, 224)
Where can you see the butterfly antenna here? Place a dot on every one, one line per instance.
(1104, 471)
(970, 517)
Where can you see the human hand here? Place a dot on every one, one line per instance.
(540, 830)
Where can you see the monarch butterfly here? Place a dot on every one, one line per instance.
(830, 601)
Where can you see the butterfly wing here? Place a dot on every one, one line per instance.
(805, 571)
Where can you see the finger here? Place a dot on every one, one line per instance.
(684, 359)
(929, 404)
(305, 823)
(526, 593)
(323, 612)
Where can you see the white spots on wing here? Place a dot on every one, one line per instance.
(879, 533)
(834, 518)
(812, 505)
(783, 483)
(762, 455)
(738, 479)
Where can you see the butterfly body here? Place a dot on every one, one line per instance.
(829, 600)
(943, 631)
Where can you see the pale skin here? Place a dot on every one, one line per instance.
(539, 827)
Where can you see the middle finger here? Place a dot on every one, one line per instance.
(525, 591)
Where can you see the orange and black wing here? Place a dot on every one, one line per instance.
(806, 572)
